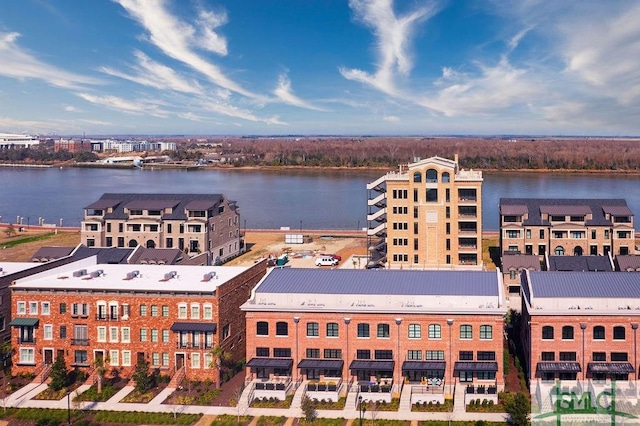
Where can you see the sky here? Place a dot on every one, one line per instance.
(320, 67)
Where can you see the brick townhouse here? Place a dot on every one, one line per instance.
(194, 223)
(376, 330)
(170, 315)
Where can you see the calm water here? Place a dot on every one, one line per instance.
(272, 199)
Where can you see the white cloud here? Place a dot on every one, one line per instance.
(286, 95)
(178, 40)
(126, 106)
(391, 118)
(209, 39)
(19, 64)
(71, 108)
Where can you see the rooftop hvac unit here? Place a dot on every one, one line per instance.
(170, 275)
(132, 275)
(209, 276)
(96, 274)
(79, 273)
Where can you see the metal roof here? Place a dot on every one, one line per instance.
(570, 209)
(328, 364)
(558, 367)
(580, 263)
(24, 322)
(270, 363)
(379, 282)
(194, 326)
(597, 208)
(520, 261)
(476, 366)
(422, 365)
(371, 364)
(585, 285)
(628, 263)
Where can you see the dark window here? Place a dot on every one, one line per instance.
(598, 332)
(548, 356)
(383, 330)
(567, 356)
(567, 332)
(109, 241)
(547, 332)
(542, 234)
(282, 328)
(486, 356)
(619, 356)
(432, 176)
(363, 354)
(282, 352)
(417, 177)
(63, 331)
(226, 330)
(383, 354)
(80, 357)
(120, 241)
(466, 331)
(415, 195)
(432, 195)
(363, 330)
(313, 353)
(486, 332)
(415, 212)
(262, 351)
(465, 356)
(63, 308)
(599, 356)
(618, 333)
(333, 353)
(332, 329)
(262, 328)
(313, 329)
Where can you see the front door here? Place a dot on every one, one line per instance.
(99, 357)
(48, 356)
(140, 358)
(179, 361)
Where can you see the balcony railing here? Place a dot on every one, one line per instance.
(104, 317)
(79, 342)
(26, 340)
(189, 345)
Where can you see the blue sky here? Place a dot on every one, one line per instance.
(377, 67)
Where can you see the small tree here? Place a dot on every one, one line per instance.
(10, 231)
(235, 401)
(100, 370)
(221, 360)
(308, 409)
(518, 409)
(373, 412)
(59, 374)
(143, 378)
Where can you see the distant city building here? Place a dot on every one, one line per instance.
(193, 223)
(74, 146)
(427, 215)
(566, 227)
(12, 141)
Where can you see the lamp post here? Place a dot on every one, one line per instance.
(361, 409)
(296, 320)
(347, 321)
(69, 408)
(398, 322)
(583, 327)
(634, 326)
(450, 323)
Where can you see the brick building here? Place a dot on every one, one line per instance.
(426, 215)
(566, 227)
(170, 315)
(194, 223)
(380, 331)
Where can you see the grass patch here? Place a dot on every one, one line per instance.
(229, 420)
(194, 393)
(485, 406)
(31, 239)
(330, 405)
(271, 420)
(383, 405)
(327, 422)
(139, 418)
(434, 407)
(272, 402)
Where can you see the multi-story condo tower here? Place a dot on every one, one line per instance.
(195, 223)
(426, 215)
(569, 227)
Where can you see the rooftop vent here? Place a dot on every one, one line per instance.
(209, 276)
(97, 273)
(132, 275)
(79, 273)
(170, 275)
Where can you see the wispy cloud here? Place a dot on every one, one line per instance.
(286, 95)
(393, 38)
(20, 64)
(181, 41)
(126, 106)
(71, 108)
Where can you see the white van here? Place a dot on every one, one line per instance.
(326, 261)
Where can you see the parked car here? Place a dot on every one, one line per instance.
(326, 261)
(335, 256)
(375, 266)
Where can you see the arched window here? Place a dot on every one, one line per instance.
(133, 243)
(151, 244)
(567, 332)
(262, 328)
(466, 331)
(577, 251)
(445, 177)
(432, 176)
(559, 251)
(486, 332)
(417, 177)
(282, 328)
(598, 332)
(547, 332)
(618, 332)
(435, 331)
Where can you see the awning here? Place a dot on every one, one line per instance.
(475, 366)
(194, 326)
(610, 367)
(422, 365)
(368, 364)
(24, 322)
(327, 364)
(270, 363)
(559, 367)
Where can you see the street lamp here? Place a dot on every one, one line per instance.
(583, 327)
(69, 407)
(361, 409)
(634, 326)
(398, 366)
(347, 321)
(296, 320)
(450, 323)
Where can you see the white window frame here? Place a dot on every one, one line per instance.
(208, 360)
(165, 359)
(46, 308)
(101, 334)
(27, 356)
(194, 311)
(113, 334)
(207, 311)
(114, 358)
(126, 358)
(33, 308)
(47, 332)
(126, 334)
(166, 336)
(21, 308)
(155, 359)
(195, 360)
(182, 311)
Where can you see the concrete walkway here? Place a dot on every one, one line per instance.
(22, 399)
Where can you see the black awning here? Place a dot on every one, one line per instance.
(24, 322)
(475, 366)
(327, 364)
(270, 363)
(610, 367)
(558, 367)
(422, 365)
(368, 364)
(194, 326)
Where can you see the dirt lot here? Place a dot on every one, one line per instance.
(23, 252)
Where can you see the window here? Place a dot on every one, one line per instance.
(417, 177)
(465, 356)
(114, 358)
(80, 357)
(195, 311)
(282, 352)
(333, 353)
(512, 274)
(182, 310)
(383, 354)
(598, 332)
(567, 356)
(46, 308)
(599, 356)
(262, 351)
(619, 356)
(207, 311)
(47, 332)
(512, 234)
(559, 251)
(126, 334)
(102, 334)
(165, 359)
(567, 332)
(383, 331)
(363, 354)
(27, 356)
(154, 334)
(434, 355)
(226, 331)
(262, 328)
(548, 356)
(282, 328)
(415, 331)
(445, 177)
(547, 332)
(154, 310)
(618, 333)
(143, 334)
(363, 330)
(22, 308)
(432, 195)
(195, 360)
(486, 356)
(486, 332)
(435, 331)
(63, 331)
(466, 331)
(165, 336)
(113, 334)
(126, 358)
(313, 329)
(143, 310)
(63, 308)
(33, 308)
(313, 353)
(414, 355)
(332, 329)
(486, 375)
(155, 359)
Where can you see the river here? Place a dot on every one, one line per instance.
(307, 199)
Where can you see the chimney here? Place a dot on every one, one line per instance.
(455, 158)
